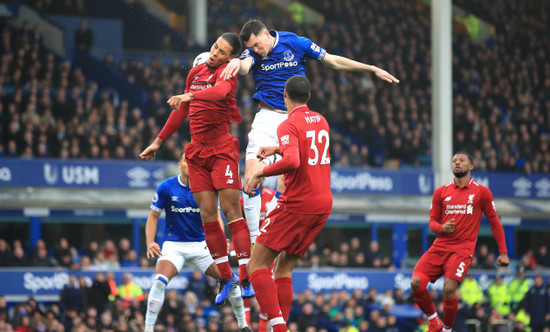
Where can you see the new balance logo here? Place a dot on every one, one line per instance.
(229, 181)
(448, 198)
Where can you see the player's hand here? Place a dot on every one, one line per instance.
(176, 101)
(153, 249)
(253, 183)
(449, 227)
(150, 151)
(267, 151)
(231, 69)
(503, 260)
(384, 75)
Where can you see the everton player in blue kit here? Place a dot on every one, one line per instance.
(184, 241)
(274, 57)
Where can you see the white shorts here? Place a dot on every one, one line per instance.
(263, 131)
(195, 253)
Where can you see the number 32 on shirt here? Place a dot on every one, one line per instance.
(318, 138)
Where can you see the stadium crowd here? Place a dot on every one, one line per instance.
(499, 114)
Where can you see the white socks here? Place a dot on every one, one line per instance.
(155, 301)
(252, 206)
(238, 306)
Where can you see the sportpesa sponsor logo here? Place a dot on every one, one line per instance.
(278, 65)
(336, 281)
(184, 210)
(360, 181)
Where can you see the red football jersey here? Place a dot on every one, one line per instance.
(308, 186)
(210, 117)
(465, 205)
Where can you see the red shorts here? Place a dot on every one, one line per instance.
(290, 232)
(452, 264)
(214, 167)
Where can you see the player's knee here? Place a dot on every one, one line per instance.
(415, 283)
(449, 289)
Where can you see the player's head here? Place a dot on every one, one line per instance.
(255, 35)
(182, 164)
(228, 46)
(463, 164)
(297, 90)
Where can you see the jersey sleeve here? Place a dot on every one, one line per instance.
(247, 53)
(490, 211)
(435, 212)
(311, 50)
(159, 198)
(289, 146)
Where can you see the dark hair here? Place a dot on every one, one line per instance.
(470, 157)
(252, 27)
(298, 88)
(234, 41)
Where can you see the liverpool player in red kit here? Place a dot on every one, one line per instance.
(213, 156)
(455, 215)
(303, 207)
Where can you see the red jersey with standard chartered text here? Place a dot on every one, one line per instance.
(210, 117)
(465, 205)
(308, 186)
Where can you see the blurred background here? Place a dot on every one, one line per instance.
(83, 90)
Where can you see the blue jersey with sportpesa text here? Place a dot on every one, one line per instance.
(287, 58)
(183, 220)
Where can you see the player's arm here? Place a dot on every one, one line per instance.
(175, 120)
(153, 249)
(435, 216)
(342, 63)
(237, 66)
(490, 211)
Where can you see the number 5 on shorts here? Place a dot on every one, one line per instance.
(460, 270)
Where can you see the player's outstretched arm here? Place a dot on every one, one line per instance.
(342, 63)
(236, 66)
(151, 150)
(153, 248)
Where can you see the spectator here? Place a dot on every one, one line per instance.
(97, 294)
(537, 305)
(518, 287)
(499, 296)
(5, 253)
(83, 37)
(372, 256)
(471, 291)
(542, 257)
(18, 259)
(43, 259)
(72, 296)
(129, 291)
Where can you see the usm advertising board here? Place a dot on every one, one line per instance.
(148, 174)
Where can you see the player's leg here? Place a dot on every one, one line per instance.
(252, 204)
(456, 267)
(167, 267)
(262, 281)
(282, 273)
(231, 207)
(425, 270)
(202, 260)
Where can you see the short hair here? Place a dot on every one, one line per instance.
(234, 41)
(470, 157)
(252, 27)
(298, 88)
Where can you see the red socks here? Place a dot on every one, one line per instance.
(246, 303)
(217, 244)
(285, 293)
(266, 295)
(450, 307)
(241, 242)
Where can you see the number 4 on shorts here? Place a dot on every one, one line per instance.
(228, 172)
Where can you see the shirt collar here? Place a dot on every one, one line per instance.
(275, 35)
(465, 186)
(180, 182)
(297, 107)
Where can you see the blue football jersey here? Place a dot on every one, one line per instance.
(183, 220)
(287, 58)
